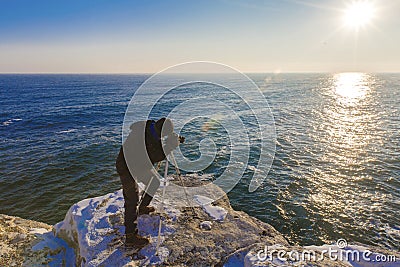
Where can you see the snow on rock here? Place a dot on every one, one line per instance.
(360, 255)
(206, 225)
(327, 255)
(215, 212)
(94, 228)
(92, 235)
(90, 226)
(29, 243)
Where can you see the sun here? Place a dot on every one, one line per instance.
(359, 14)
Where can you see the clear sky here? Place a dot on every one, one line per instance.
(118, 36)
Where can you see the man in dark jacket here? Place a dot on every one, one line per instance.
(137, 156)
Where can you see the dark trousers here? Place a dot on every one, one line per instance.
(130, 191)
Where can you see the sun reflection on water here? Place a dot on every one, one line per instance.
(351, 86)
(344, 130)
(349, 117)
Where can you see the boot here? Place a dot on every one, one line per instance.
(135, 240)
(145, 210)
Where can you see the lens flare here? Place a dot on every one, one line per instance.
(359, 14)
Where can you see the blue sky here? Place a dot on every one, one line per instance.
(147, 36)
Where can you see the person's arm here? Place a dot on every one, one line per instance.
(156, 149)
(171, 143)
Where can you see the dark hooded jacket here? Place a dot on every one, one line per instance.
(142, 148)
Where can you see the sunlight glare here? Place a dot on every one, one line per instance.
(359, 14)
(351, 85)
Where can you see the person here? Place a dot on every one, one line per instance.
(135, 163)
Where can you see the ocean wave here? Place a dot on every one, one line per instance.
(10, 121)
(340, 163)
(252, 168)
(67, 131)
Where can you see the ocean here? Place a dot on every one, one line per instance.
(335, 174)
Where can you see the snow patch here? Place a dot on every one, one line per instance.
(94, 229)
(370, 257)
(61, 253)
(351, 255)
(216, 212)
(39, 231)
(206, 225)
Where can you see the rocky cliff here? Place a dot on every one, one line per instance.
(208, 235)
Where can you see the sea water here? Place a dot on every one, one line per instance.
(335, 174)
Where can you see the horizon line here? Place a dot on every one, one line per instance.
(151, 73)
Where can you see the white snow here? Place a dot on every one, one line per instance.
(38, 231)
(64, 256)
(346, 255)
(217, 213)
(362, 260)
(206, 225)
(92, 233)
